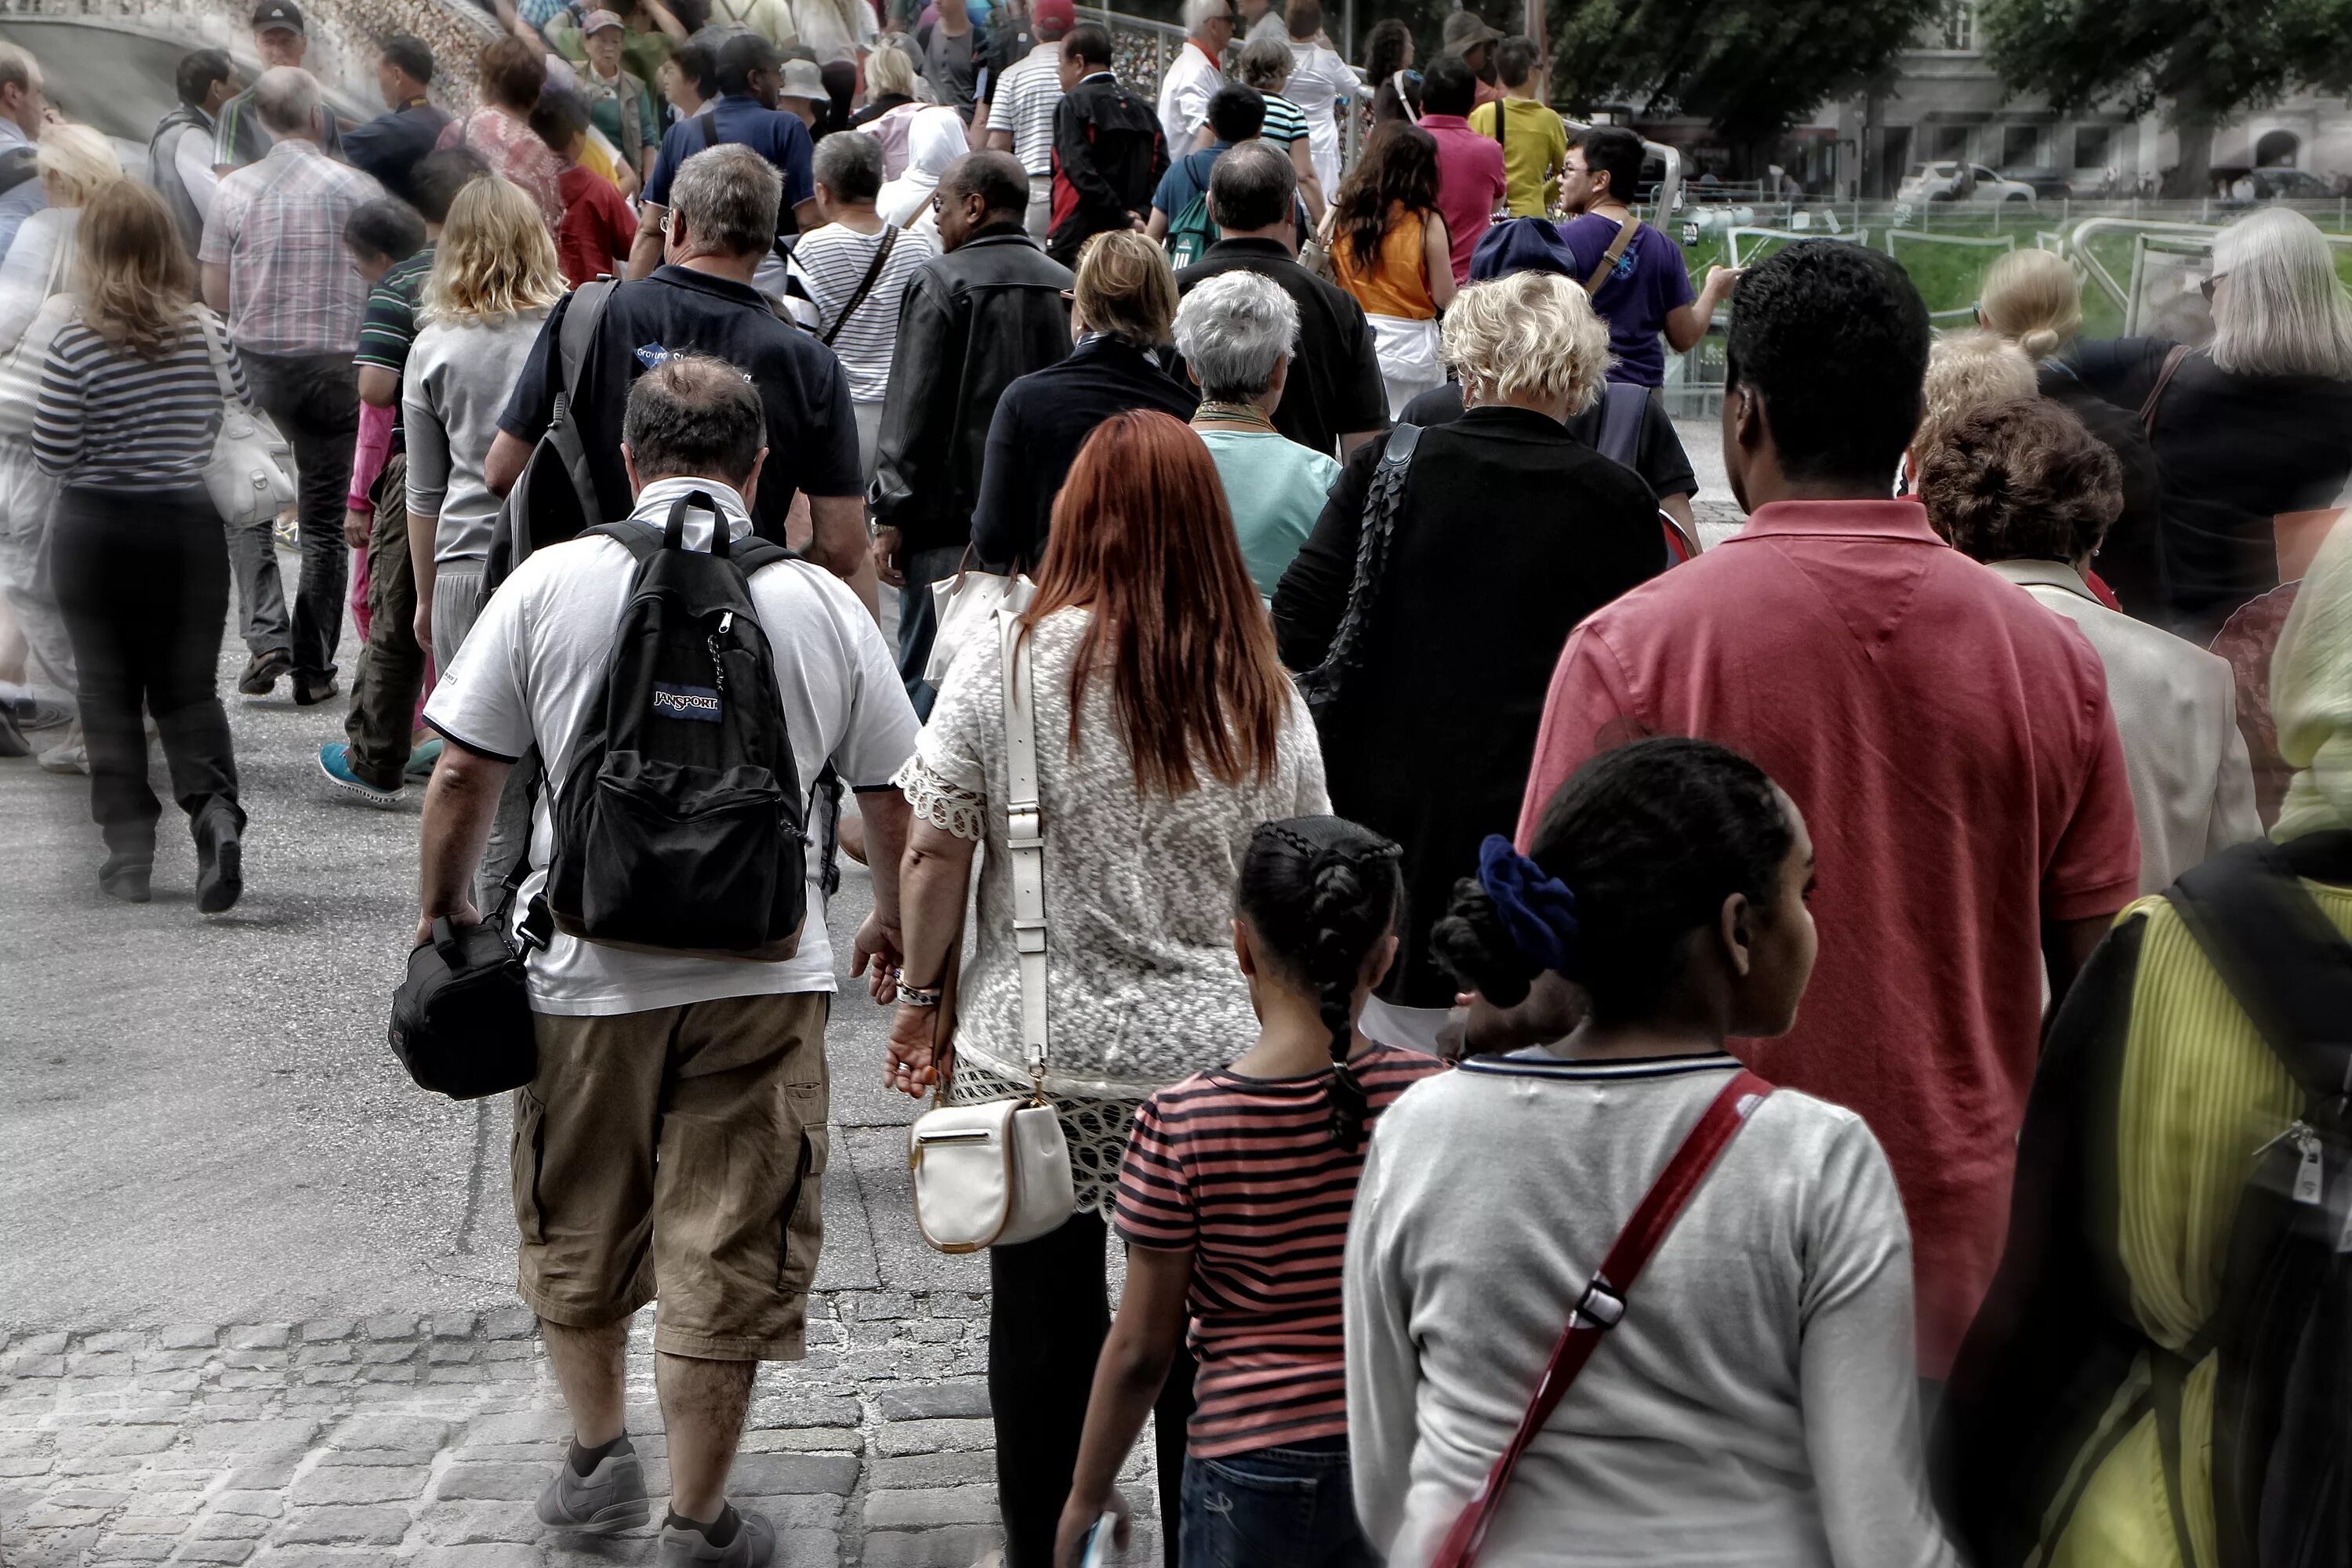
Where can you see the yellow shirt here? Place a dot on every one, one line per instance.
(1535, 149)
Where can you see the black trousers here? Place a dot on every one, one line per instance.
(1048, 1314)
(391, 670)
(315, 401)
(142, 578)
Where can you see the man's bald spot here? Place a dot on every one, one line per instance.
(999, 179)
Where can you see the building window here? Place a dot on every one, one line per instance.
(1951, 143)
(2276, 150)
(2021, 147)
(2094, 146)
(1955, 26)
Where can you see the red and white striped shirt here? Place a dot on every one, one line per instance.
(1246, 1173)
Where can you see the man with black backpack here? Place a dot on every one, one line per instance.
(694, 693)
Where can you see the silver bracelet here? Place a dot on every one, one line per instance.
(920, 995)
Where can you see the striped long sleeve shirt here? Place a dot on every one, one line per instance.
(1246, 1173)
(109, 419)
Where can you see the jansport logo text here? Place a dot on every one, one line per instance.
(697, 702)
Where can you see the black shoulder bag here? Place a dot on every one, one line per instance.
(1321, 685)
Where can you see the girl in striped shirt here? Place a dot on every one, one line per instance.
(1234, 1202)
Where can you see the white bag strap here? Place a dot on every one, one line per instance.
(1025, 836)
(219, 357)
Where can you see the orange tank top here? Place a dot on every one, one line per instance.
(1396, 284)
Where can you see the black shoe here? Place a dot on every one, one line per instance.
(262, 670)
(124, 878)
(308, 694)
(12, 739)
(220, 857)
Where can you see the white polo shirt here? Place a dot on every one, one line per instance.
(1184, 95)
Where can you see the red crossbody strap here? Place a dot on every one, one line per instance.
(1604, 1302)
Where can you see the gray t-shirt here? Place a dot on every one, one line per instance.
(456, 385)
(952, 67)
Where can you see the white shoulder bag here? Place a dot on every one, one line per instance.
(248, 487)
(28, 356)
(965, 607)
(1000, 1171)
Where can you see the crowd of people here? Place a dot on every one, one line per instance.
(1434, 842)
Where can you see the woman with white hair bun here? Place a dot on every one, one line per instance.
(1508, 532)
(1238, 333)
(2253, 431)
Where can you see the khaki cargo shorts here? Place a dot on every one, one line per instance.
(676, 1154)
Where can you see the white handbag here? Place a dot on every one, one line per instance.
(247, 486)
(964, 606)
(21, 367)
(999, 1172)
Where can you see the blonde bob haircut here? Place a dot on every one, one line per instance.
(1966, 372)
(2032, 299)
(2283, 311)
(1126, 289)
(75, 162)
(1530, 335)
(889, 68)
(495, 258)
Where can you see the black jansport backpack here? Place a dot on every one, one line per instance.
(681, 828)
(2282, 1428)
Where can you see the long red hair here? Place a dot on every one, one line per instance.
(1141, 536)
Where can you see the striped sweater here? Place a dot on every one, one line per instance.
(110, 420)
(1246, 1173)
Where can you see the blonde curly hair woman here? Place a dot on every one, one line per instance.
(494, 277)
(1507, 533)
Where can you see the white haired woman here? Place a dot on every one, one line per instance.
(1238, 333)
(1510, 531)
(2249, 431)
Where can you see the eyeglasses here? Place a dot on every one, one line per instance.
(2207, 284)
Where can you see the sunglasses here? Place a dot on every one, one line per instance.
(2206, 285)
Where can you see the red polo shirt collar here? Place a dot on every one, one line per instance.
(1896, 518)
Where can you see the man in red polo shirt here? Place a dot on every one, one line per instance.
(1470, 180)
(1949, 741)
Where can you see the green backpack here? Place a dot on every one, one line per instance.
(1194, 230)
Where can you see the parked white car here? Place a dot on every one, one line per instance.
(1953, 181)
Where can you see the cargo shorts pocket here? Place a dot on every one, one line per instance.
(802, 1219)
(530, 1154)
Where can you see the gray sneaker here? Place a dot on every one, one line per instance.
(607, 1499)
(754, 1544)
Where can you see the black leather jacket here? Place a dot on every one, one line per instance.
(972, 323)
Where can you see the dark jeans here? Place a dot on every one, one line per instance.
(916, 624)
(1048, 1314)
(314, 400)
(391, 670)
(142, 578)
(1273, 1507)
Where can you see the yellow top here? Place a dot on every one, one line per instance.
(1535, 150)
(1398, 282)
(2201, 1095)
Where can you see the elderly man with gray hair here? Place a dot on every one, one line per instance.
(274, 266)
(1196, 73)
(720, 223)
(1238, 333)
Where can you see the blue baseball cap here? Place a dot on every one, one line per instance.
(1521, 244)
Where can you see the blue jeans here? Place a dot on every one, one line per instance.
(916, 622)
(1273, 1507)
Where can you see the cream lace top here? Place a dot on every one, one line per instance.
(1141, 986)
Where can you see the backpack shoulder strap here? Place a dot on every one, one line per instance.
(580, 320)
(17, 164)
(2172, 363)
(754, 553)
(2282, 960)
(639, 540)
(1622, 405)
(1625, 232)
(708, 124)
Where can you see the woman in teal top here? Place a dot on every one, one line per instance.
(1236, 331)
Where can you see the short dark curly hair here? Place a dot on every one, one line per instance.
(1833, 337)
(2022, 481)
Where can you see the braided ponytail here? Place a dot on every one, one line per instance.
(1320, 893)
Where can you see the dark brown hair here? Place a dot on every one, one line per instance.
(1142, 537)
(1399, 169)
(2022, 479)
(511, 74)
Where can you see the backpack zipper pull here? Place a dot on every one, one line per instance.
(717, 664)
(2310, 1178)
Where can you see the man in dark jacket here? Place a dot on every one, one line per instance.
(988, 311)
(390, 145)
(1335, 393)
(1108, 150)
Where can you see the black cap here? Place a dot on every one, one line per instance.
(271, 14)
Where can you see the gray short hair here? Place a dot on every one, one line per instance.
(695, 416)
(849, 165)
(2284, 311)
(18, 67)
(287, 98)
(730, 197)
(1232, 330)
(1265, 64)
(1198, 14)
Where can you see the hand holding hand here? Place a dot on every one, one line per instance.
(878, 952)
(915, 1058)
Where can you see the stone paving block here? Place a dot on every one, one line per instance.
(502, 1555)
(793, 1512)
(255, 1360)
(376, 1526)
(360, 1483)
(387, 1353)
(261, 1336)
(451, 1353)
(33, 1364)
(501, 1482)
(87, 1496)
(112, 1341)
(469, 1523)
(49, 1516)
(931, 1437)
(804, 1440)
(41, 1344)
(333, 1458)
(451, 1325)
(313, 1557)
(137, 1440)
(237, 1439)
(954, 1304)
(148, 1524)
(133, 1549)
(540, 1426)
(261, 1474)
(954, 1547)
(97, 1464)
(510, 1350)
(510, 1323)
(191, 1360)
(330, 1353)
(51, 1548)
(925, 1402)
(229, 1527)
(99, 1363)
(24, 1466)
(391, 1326)
(806, 1409)
(954, 1467)
(187, 1337)
(229, 1551)
(328, 1377)
(319, 1331)
(923, 1508)
(257, 1504)
(795, 1475)
(388, 1431)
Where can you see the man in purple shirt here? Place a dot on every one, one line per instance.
(1470, 180)
(1648, 291)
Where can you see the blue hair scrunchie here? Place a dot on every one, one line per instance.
(1538, 911)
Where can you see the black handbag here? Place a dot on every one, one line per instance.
(461, 1019)
(1382, 501)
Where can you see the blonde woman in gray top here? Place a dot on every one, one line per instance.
(1758, 1401)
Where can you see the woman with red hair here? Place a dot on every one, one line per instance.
(1166, 732)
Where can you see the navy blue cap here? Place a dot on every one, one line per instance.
(1521, 244)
